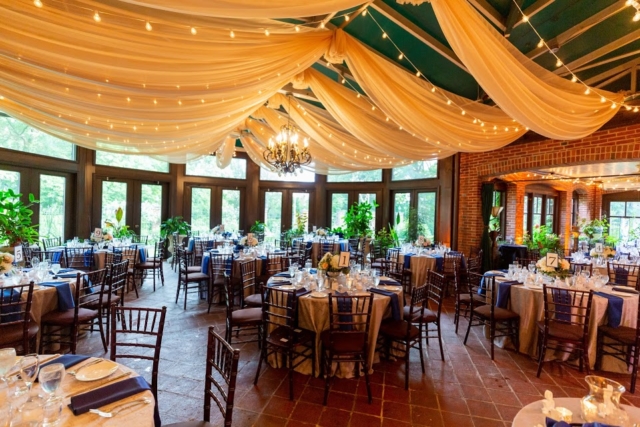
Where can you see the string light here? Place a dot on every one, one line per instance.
(384, 35)
(96, 17)
(194, 31)
(37, 3)
(541, 43)
(401, 56)
(525, 18)
(232, 34)
(574, 78)
(559, 63)
(266, 32)
(148, 26)
(297, 31)
(346, 17)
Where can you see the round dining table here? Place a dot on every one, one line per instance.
(531, 415)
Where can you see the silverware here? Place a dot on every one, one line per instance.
(121, 407)
(75, 370)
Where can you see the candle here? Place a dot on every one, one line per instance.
(563, 414)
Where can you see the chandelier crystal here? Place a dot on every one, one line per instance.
(285, 153)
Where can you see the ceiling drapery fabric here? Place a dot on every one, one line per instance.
(537, 98)
(225, 152)
(438, 117)
(250, 8)
(115, 86)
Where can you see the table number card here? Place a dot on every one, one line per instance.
(599, 248)
(552, 260)
(249, 235)
(97, 234)
(17, 254)
(344, 259)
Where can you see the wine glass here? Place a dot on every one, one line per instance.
(55, 268)
(34, 261)
(50, 378)
(7, 360)
(29, 367)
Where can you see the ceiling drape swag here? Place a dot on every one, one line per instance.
(537, 98)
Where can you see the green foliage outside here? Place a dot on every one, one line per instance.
(416, 170)
(359, 176)
(358, 219)
(10, 180)
(207, 166)
(543, 239)
(52, 202)
(131, 161)
(339, 207)
(16, 135)
(15, 219)
(387, 238)
(258, 227)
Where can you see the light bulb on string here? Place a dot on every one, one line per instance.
(574, 78)
(559, 63)
(194, 31)
(384, 35)
(587, 92)
(232, 34)
(525, 18)
(37, 3)
(297, 28)
(266, 32)
(541, 43)
(148, 26)
(346, 17)
(401, 56)
(96, 17)
(603, 99)
(364, 12)
(636, 17)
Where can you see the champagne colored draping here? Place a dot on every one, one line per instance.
(537, 98)
(225, 152)
(409, 101)
(369, 125)
(250, 8)
(115, 86)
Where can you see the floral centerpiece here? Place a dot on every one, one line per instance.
(106, 237)
(423, 242)
(330, 263)
(249, 241)
(561, 272)
(116, 228)
(6, 260)
(607, 252)
(321, 232)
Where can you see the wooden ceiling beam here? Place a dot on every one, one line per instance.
(611, 72)
(490, 13)
(417, 32)
(614, 78)
(513, 17)
(532, 10)
(299, 93)
(326, 19)
(355, 14)
(607, 61)
(575, 31)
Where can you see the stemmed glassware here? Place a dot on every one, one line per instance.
(55, 268)
(50, 378)
(7, 360)
(29, 367)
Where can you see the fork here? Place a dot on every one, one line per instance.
(75, 371)
(121, 407)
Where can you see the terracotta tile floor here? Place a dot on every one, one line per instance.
(467, 389)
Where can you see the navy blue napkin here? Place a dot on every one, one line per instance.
(205, 264)
(395, 302)
(65, 298)
(55, 258)
(62, 270)
(283, 274)
(550, 422)
(143, 254)
(9, 297)
(482, 290)
(439, 261)
(345, 306)
(68, 360)
(279, 283)
(504, 293)
(389, 282)
(614, 308)
(67, 275)
(563, 312)
(103, 396)
(621, 276)
(407, 260)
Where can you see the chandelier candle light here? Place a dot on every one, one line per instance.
(284, 153)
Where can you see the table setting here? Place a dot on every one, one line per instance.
(70, 390)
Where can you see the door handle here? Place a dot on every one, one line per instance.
(136, 226)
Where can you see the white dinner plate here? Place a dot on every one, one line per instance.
(286, 287)
(390, 287)
(316, 294)
(98, 371)
(280, 279)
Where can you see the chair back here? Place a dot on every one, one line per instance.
(223, 359)
(139, 239)
(436, 284)
(132, 254)
(621, 274)
(533, 254)
(183, 260)
(117, 279)
(199, 247)
(325, 246)
(354, 244)
(136, 333)
(219, 266)
(279, 311)
(90, 288)
(158, 252)
(526, 261)
(27, 253)
(375, 250)
(56, 257)
(111, 258)
(248, 272)
(350, 315)
(51, 242)
(452, 263)
(567, 306)
(419, 295)
(474, 286)
(274, 263)
(80, 258)
(15, 312)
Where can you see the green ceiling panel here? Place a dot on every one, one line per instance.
(622, 84)
(423, 16)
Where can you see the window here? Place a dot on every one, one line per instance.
(10, 180)
(417, 170)
(360, 176)
(549, 212)
(401, 206)
(150, 210)
(339, 207)
(231, 209)
(575, 208)
(16, 135)
(624, 220)
(369, 198)
(427, 214)
(207, 166)
(539, 209)
(499, 221)
(114, 196)
(52, 192)
(272, 215)
(131, 161)
(526, 214)
(299, 206)
(304, 176)
(200, 209)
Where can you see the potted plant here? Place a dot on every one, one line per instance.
(15, 219)
(387, 239)
(169, 226)
(256, 228)
(117, 229)
(358, 219)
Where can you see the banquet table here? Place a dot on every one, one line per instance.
(313, 314)
(139, 415)
(531, 415)
(528, 303)
(100, 255)
(420, 264)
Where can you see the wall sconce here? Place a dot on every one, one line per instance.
(495, 211)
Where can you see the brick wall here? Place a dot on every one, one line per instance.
(618, 144)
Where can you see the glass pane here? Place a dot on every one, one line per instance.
(616, 209)
(114, 196)
(131, 161)
(549, 213)
(272, 215)
(299, 206)
(615, 227)
(537, 219)
(207, 166)
(633, 209)
(52, 198)
(339, 206)
(537, 205)
(304, 176)
(231, 209)
(151, 211)
(417, 170)
(427, 214)
(360, 176)
(370, 198)
(401, 203)
(16, 135)
(10, 180)
(200, 209)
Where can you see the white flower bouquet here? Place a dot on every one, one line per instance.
(321, 232)
(423, 242)
(249, 241)
(560, 272)
(607, 252)
(330, 262)
(6, 260)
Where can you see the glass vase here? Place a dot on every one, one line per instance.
(602, 404)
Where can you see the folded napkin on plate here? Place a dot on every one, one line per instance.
(395, 302)
(63, 270)
(283, 274)
(302, 292)
(279, 283)
(614, 308)
(562, 300)
(504, 293)
(550, 422)
(65, 298)
(67, 275)
(626, 289)
(313, 271)
(103, 396)
(68, 360)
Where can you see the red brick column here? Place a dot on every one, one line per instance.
(564, 217)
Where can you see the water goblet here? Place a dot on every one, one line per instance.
(34, 261)
(55, 268)
(532, 267)
(50, 378)
(29, 367)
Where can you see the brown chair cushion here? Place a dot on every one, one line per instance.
(95, 302)
(194, 269)
(197, 277)
(562, 330)
(347, 342)
(499, 314)
(246, 315)
(254, 300)
(429, 316)
(407, 310)
(300, 336)
(65, 318)
(151, 265)
(622, 334)
(397, 329)
(13, 333)
(191, 424)
(465, 298)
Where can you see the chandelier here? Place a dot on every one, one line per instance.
(284, 153)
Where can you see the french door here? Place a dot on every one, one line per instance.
(423, 203)
(207, 206)
(281, 207)
(340, 201)
(144, 204)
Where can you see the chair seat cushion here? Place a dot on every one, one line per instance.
(339, 342)
(397, 329)
(562, 330)
(499, 314)
(191, 424)
(13, 333)
(254, 300)
(194, 269)
(246, 315)
(66, 317)
(197, 277)
(465, 298)
(622, 334)
(97, 302)
(150, 265)
(299, 336)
